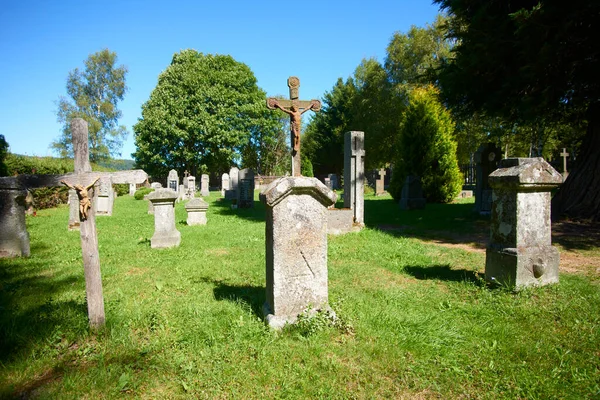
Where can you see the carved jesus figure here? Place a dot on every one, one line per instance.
(84, 201)
(295, 121)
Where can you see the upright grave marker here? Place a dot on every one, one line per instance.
(294, 108)
(106, 197)
(204, 181)
(354, 174)
(232, 193)
(173, 181)
(486, 157)
(224, 183)
(564, 155)
(520, 252)
(165, 232)
(246, 188)
(379, 183)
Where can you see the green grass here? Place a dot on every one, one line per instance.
(416, 320)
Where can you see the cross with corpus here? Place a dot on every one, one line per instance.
(294, 108)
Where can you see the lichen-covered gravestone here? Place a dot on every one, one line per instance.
(204, 191)
(173, 181)
(296, 248)
(165, 232)
(246, 188)
(196, 211)
(14, 239)
(520, 252)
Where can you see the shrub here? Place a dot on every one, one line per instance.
(306, 167)
(121, 189)
(427, 149)
(141, 192)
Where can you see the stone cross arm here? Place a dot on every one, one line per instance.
(300, 104)
(38, 181)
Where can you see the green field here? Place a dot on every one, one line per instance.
(416, 318)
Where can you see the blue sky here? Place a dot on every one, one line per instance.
(41, 41)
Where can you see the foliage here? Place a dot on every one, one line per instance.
(3, 154)
(203, 111)
(427, 148)
(306, 167)
(93, 96)
(121, 189)
(118, 164)
(141, 192)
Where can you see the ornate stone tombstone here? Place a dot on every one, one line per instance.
(204, 181)
(296, 248)
(232, 194)
(196, 211)
(520, 252)
(380, 183)
(224, 183)
(354, 174)
(486, 157)
(411, 197)
(173, 181)
(165, 232)
(246, 188)
(106, 197)
(190, 191)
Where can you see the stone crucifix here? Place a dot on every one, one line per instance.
(294, 108)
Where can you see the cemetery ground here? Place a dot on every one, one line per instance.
(416, 319)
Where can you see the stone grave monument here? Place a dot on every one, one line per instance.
(246, 188)
(335, 182)
(204, 180)
(354, 174)
(173, 181)
(132, 189)
(296, 248)
(520, 252)
(165, 232)
(411, 197)
(196, 211)
(380, 183)
(106, 197)
(224, 183)
(486, 157)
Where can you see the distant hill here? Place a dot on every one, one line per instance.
(119, 165)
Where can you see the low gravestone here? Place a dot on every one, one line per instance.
(156, 185)
(224, 183)
(246, 189)
(520, 252)
(486, 158)
(380, 183)
(106, 197)
(411, 197)
(14, 239)
(196, 211)
(232, 193)
(165, 232)
(204, 191)
(335, 182)
(150, 206)
(296, 248)
(354, 174)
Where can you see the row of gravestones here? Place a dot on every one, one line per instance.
(238, 186)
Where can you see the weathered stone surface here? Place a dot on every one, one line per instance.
(190, 191)
(232, 193)
(520, 252)
(224, 183)
(245, 188)
(340, 221)
(354, 174)
(204, 190)
(196, 211)
(105, 197)
(14, 239)
(411, 197)
(335, 182)
(486, 158)
(296, 247)
(165, 232)
(173, 181)
(380, 183)
(150, 205)
(132, 189)
(156, 185)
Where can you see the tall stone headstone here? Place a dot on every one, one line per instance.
(190, 190)
(487, 158)
(173, 181)
(132, 189)
(165, 232)
(105, 197)
(354, 174)
(224, 183)
(520, 252)
(411, 197)
(246, 188)
(14, 239)
(335, 182)
(204, 181)
(232, 193)
(379, 183)
(296, 248)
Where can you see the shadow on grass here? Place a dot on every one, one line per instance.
(25, 322)
(255, 214)
(445, 273)
(254, 296)
(574, 235)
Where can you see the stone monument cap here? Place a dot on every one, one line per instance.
(282, 187)
(196, 204)
(162, 194)
(525, 173)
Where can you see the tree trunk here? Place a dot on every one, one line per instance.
(579, 195)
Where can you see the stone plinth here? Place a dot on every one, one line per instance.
(411, 197)
(165, 232)
(196, 211)
(296, 248)
(354, 174)
(14, 239)
(520, 252)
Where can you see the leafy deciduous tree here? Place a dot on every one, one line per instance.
(94, 94)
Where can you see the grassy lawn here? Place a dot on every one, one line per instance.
(417, 321)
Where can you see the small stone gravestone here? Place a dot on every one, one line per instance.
(173, 181)
(379, 183)
(14, 239)
(486, 157)
(224, 183)
(106, 197)
(165, 232)
(335, 182)
(296, 248)
(196, 211)
(411, 197)
(232, 194)
(328, 183)
(132, 189)
(246, 188)
(520, 252)
(190, 192)
(156, 185)
(204, 191)
(354, 174)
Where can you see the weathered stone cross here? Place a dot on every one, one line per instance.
(294, 108)
(564, 155)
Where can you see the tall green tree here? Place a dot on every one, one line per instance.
(93, 94)
(203, 111)
(3, 154)
(531, 60)
(427, 149)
